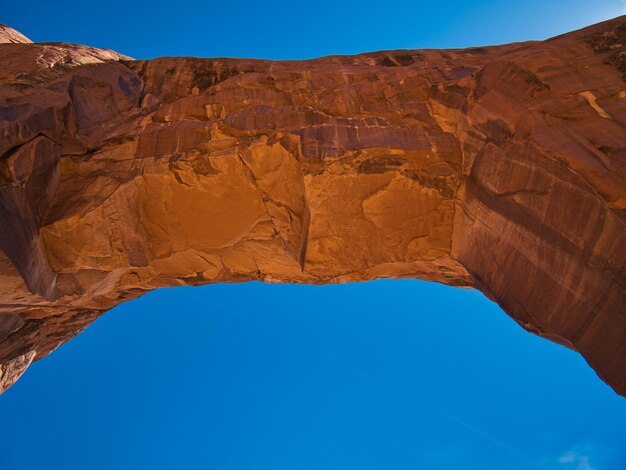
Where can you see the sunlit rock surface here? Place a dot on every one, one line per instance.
(500, 168)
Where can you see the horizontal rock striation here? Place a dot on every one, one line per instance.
(499, 168)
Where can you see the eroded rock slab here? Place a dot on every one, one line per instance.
(499, 168)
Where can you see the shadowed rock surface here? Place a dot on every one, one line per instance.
(499, 168)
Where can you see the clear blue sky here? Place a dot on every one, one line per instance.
(383, 375)
(297, 30)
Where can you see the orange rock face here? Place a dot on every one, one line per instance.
(499, 168)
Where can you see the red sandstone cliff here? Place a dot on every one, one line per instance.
(500, 168)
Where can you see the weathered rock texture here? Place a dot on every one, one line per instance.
(500, 168)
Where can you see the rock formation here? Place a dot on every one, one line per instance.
(499, 168)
